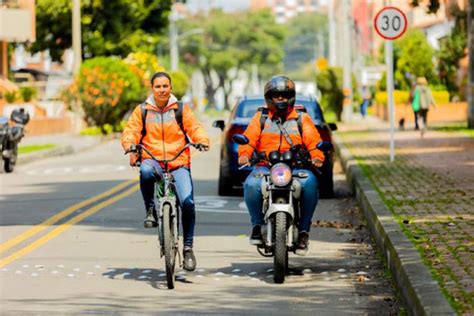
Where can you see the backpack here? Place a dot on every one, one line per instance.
(178, 116)
(264, 116)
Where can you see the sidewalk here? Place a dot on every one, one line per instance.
(65, 144)
(428, 194)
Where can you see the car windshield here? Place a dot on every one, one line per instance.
(248, 108)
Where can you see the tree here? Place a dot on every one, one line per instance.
(452, 50)
(232, 42)
(415, 57)
(307, 35)
(112, 27)
(433, 7)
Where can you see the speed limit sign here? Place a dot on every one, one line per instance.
(390, 23)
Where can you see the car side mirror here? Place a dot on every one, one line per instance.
(219, 124)
(332, 126)
(240, 139)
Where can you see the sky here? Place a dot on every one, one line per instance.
(226, 5)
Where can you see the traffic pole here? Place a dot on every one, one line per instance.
(391, 108)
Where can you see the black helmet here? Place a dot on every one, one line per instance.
(280, 85)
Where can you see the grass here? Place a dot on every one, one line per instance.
(454, 128)
(33, 148)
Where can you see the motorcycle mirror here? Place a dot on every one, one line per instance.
(240, 139)
(324, 146)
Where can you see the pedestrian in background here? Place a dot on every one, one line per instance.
(415, 103)
(366, 100)
(424, 98)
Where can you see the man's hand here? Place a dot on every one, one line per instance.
(244, 160)
(202, 147)
(318, 163)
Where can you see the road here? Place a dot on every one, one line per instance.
(68, 247)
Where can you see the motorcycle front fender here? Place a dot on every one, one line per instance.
(275, 208)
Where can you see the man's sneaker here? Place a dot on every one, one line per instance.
(150, 218)
(189, 262)
(256, 236)
(302, 247)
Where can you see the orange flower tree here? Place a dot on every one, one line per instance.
(107, 89)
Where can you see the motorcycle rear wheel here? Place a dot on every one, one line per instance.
(169, 246)
(280, 259)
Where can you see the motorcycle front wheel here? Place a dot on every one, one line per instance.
(280, 259)
(8, 165)
(169, 246)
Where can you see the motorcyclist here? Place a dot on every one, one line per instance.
(280, 96)
(164, 138)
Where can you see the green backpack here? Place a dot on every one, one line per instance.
(415, 104)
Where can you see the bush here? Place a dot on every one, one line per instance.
(10, 96)
(107, 89)
(180, 83)
(400, 97)
(145, 65)
(27, 93)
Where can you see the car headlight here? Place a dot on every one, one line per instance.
(280, 174)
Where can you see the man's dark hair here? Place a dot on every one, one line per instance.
(160, 74)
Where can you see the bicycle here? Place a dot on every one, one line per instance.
(167, 213)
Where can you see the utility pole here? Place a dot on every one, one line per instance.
(347, 84)
(76, 35)
(332, 34)
(470, 84)
(173, 33)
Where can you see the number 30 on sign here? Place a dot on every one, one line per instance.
(390, 23)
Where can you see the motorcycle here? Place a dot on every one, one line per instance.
(281, 192)
(11, 135)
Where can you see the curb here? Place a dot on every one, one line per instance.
(420, 293)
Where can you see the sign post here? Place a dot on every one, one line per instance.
(390, 23)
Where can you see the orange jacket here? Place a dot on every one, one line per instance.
(164, 138)
(270, 138)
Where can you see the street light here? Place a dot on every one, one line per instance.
(174, 38)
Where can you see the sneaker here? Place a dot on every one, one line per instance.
(256, 236)
(150, 218)
(189, 262)
(302, 245)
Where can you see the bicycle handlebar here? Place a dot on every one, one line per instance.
(136, 148)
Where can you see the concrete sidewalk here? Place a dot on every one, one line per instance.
(64, 144)
(420, 209)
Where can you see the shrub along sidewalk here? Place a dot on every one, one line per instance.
(429, 189)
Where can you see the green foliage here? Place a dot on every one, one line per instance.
(27, 93)
(10, 96)
(452, 49)
(112, 27)
(305, 42)
(180, 83)
(330, 83)
(232, 41)
(107, 88)
(95, 131)
(416, 59)
(400, 97)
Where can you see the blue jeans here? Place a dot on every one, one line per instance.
(151, 172)
(254, 198)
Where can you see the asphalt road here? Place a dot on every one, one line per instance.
(68, 247)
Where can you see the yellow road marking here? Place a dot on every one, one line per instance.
(52, 220)
(63, 227)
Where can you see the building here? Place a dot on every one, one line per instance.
(284, 10)
(17, 24)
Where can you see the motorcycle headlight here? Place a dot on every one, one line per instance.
(280, 174)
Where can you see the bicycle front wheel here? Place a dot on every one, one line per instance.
(169, 245)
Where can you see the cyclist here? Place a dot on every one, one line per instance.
(164, 137)
(280, 99)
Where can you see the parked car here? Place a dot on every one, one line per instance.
(231, 178)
